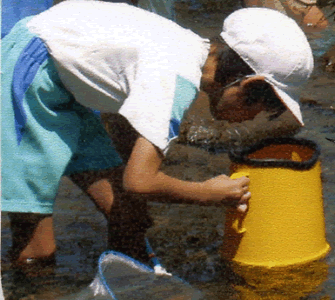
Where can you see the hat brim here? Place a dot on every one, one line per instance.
(292, 105)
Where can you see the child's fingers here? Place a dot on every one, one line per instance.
(242, 208)
(245, 189)
(242, 205)
(245, 198)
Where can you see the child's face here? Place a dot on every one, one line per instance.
(231, 103)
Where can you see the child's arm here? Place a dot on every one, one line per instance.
(142, 175)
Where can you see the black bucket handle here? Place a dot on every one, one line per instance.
(241, 156)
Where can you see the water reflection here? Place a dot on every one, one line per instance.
(286, 283)
(293, 282)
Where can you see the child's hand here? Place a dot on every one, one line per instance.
(232, 192)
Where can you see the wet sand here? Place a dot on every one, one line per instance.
(187, 238)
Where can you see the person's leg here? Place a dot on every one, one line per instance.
(32, 238)
(315, 18)
(39, 134)
(98, 186)
(97, 169)
(127, 214)
(129, 221)
(306, 13)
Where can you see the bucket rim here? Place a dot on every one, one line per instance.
(240, 156)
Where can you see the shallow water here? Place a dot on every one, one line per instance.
(188, 238)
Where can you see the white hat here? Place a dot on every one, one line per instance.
(275, 47)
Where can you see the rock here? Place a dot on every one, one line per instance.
(197, 131)
(328, 60)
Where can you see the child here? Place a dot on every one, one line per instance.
(79, 56)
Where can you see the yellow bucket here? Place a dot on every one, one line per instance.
(284, 223)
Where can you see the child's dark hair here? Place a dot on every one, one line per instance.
(231, 66)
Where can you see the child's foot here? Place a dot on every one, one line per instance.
(33, 267)
(33, 241)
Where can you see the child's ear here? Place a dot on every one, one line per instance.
(252, 80)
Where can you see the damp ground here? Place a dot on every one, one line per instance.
(187, 238)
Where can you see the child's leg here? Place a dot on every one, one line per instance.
(97, 169)
(127, 214)
(32, 237)
(39, 134)
(315, 18)
(306, 13)
(98, 186)
(129, 221)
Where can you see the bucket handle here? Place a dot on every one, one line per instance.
(237, 224)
